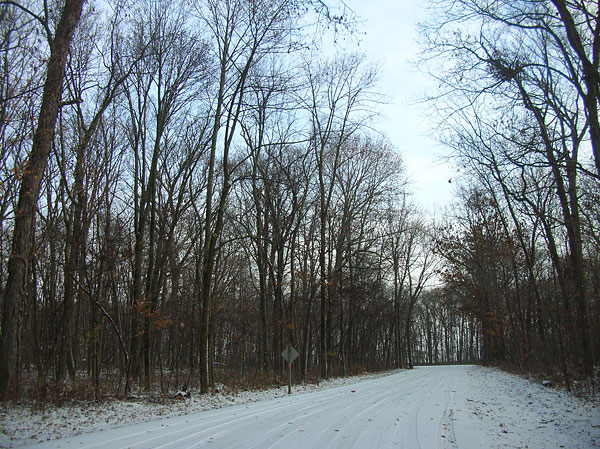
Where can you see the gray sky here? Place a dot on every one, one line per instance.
(390, 39)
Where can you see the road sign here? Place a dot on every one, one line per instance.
(289, 354)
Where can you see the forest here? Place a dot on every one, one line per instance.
(189, 186)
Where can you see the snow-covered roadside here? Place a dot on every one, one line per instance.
(508, 411)
(26, 424)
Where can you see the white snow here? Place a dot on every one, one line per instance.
(429, 407)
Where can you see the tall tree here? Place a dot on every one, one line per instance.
(243, 32)
(167, 87)
(59, 43)
(337, 102)
(82, 77)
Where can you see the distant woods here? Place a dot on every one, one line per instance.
(186, 187)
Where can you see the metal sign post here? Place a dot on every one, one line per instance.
(289, 354)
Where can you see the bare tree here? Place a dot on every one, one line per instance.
(168, 83)
(243, 33)
(337, 103)
(59, 43)
(82, 75)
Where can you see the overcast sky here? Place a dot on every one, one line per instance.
(390, 38)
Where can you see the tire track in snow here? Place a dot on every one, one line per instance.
(446, 428)
(425, 415)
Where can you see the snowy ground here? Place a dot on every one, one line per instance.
(430, 407)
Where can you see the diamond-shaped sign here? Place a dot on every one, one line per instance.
(289, 354)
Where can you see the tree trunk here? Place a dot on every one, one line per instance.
(18, 264)
(72, 262)
(591, 77)
(569, 202)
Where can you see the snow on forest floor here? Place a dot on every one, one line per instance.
(509, 411)
(446, 407)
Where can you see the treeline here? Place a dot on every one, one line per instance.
(517, 92)
(212, 191)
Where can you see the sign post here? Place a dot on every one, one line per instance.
(289, 354)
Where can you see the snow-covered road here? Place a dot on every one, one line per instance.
(429, 407)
